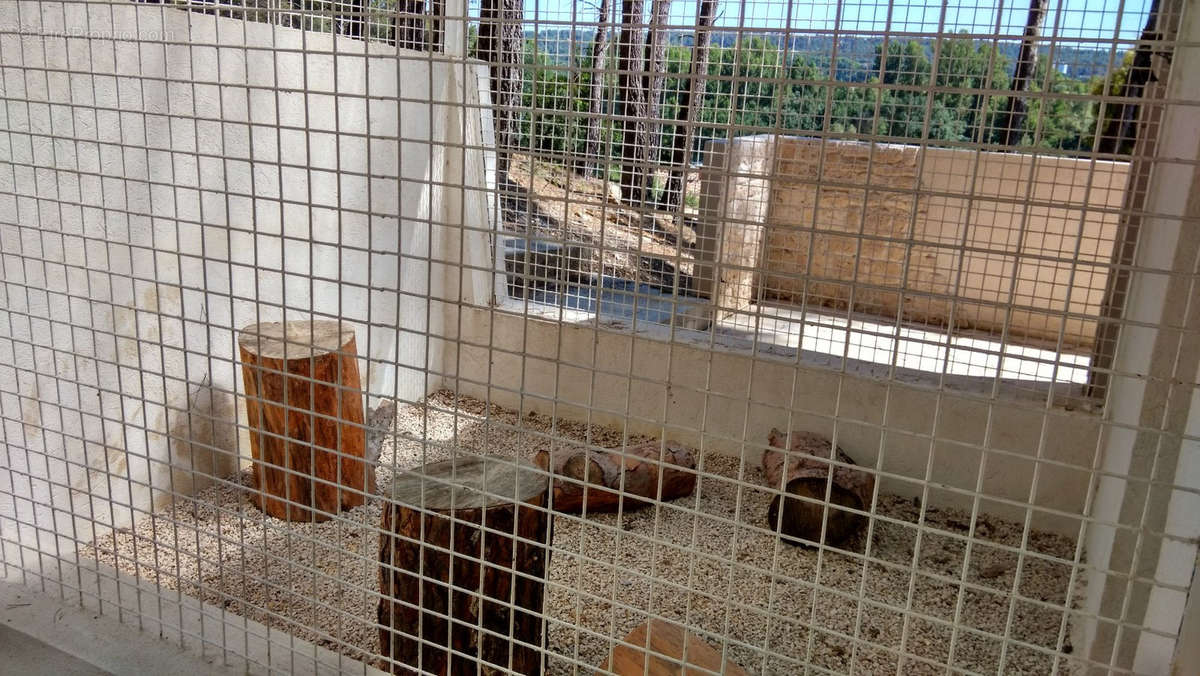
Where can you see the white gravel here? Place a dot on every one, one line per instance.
(702, 561)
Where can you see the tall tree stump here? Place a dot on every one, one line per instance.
(804, 471)
(305, 412)
(447, 549)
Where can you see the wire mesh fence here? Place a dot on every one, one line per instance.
(508, 336)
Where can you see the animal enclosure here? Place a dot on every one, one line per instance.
(546, 337)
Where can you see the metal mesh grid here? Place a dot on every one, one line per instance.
(832, 227)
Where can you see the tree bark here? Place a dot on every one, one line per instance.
(592, 162)
(689, 103)
(600, 481)
(653, 81)
(1012, 121)
(804, 471)
(1120, 128)
(466, 539)
(408, 25)
(502, 46)
(305, 412)
(635, 136)
(352, 23)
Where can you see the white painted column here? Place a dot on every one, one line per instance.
(1171, 185)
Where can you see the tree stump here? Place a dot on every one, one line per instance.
(804, 471)
(305, 412)
(593, 479)
(436, 560)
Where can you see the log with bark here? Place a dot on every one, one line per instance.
(463, 551)
(305, 412)
(605, 481)
(803, 471)
(660, 652)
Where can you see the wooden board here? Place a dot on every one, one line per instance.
(665, 656)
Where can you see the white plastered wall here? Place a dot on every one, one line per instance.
(168, 177)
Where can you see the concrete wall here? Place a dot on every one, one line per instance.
(169, 177)
(727, 400)
(973, 237)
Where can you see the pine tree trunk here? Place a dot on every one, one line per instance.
(1120, 126)
(591, 162)
(630, 93)
(654, 79)
(408, 25)
(1012, 121)
(352, 22)
(502, 46)
(690, 101)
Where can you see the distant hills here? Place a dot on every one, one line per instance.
(856, 54)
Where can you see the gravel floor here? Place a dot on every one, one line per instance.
(702, 561)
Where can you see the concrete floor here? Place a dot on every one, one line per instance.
(25, 654)
(40, 634)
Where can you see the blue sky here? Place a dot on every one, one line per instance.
(1074, 20)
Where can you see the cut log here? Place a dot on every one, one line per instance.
(804, 471)
(305, 412)
(594, 478)
(665, 656)
(430, 551)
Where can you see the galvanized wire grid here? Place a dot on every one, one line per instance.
(162, 189)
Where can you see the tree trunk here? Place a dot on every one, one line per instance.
(593, 479)
(432, 554)
(1012, 121)
(408, 25)
(502, 46)
(352, 22)
(804, 471)
(305, 413)
(655, 77)
(689, 103)
(1120, 126)
(592, 162)
(634, 131)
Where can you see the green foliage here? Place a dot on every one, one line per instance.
(757, 87)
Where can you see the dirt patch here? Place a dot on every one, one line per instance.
(552, 203)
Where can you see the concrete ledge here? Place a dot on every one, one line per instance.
(126, 626)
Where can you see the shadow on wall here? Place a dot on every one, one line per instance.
(203, 443)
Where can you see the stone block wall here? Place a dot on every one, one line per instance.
(980, 240)
(824, 199)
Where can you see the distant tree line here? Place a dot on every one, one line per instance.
(584, 111)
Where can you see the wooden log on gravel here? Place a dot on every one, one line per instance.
(436, 561)
(804, 471)
(305, 412)
(660, 652)
(594, 478)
